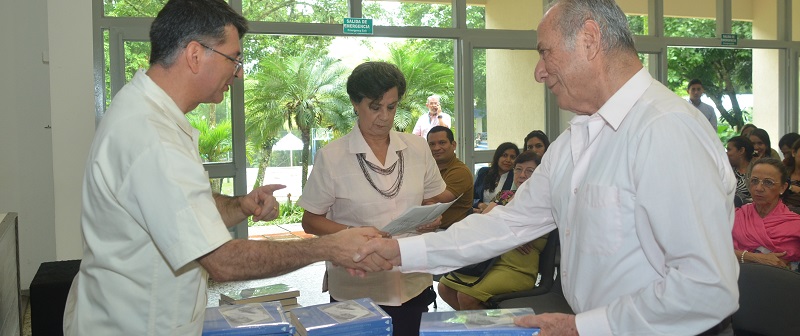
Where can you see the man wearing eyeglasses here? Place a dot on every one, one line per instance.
(153, 231)
(455, 174)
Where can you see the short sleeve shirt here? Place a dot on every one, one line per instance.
(338, 188)
(148, 214)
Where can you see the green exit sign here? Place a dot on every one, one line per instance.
(357, 26)
(729, 39)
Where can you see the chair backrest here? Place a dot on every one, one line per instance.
(548, 260)
(768, 300)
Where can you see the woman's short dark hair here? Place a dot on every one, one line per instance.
(183, 21)
(788, 140)
(493, 175)
(539, 135)
(772, 162)
(373, 79)
(740, 142)
(764, 137)
(527, 156)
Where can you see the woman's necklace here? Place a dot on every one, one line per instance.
(393, 190)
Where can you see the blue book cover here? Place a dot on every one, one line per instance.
(495, 322)
(340, 317)
(264, 318)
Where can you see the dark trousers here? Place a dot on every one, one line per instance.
(406, 317)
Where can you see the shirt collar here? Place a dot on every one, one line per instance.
(164, 102)
(357, 144)
(621, 103)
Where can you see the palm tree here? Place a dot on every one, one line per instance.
(263, 126)
(305, 91)
(214, 143)
(425, 76)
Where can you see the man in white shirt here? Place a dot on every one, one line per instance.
(434, 117)
(695, 91)
(152, 229)
(622, 184)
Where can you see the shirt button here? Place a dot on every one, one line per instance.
(566, 232)
(575, 191)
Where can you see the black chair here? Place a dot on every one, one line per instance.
(547, 297)
(768, 301)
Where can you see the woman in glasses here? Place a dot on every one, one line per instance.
(515, 271)
(766, 231)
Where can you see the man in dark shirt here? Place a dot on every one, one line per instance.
(454, 173)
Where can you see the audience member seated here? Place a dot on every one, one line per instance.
(792, 196)
(766, 231)
(785, 145)
(747, 129)
(537, 142)
(516, 270)
(762, 145)
(489, 181)
(740, 153)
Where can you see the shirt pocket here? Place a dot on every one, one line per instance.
(599, 221)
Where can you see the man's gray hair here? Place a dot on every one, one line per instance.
(438, 98)
(615, 34)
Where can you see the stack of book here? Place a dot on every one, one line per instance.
(285, 294)
(475, 322)
(352, 317)
(265, 318)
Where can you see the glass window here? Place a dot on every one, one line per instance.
(314, 11)
(638, 24)
(727, 77)
(296, 85)
(132, 8)
(696, 18)
(508, 102)
(409, 13)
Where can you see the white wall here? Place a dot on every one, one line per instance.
(34, 182)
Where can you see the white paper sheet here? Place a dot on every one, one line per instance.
(416, 216)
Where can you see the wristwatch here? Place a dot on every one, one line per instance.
(439, 116)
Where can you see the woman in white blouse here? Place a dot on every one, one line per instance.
(367, 178)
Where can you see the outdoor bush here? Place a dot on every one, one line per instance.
(290, 213)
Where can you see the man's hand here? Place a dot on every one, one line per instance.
(346, 243)
(382, 253)
(430, 227)
(550, 324)
(260, 203)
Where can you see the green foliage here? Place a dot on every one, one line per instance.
(723, 71)
(424, 77)
(291, 213)
(132, 8)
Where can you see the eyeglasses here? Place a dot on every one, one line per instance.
(767, 183)
(528, 172)
(238, 62)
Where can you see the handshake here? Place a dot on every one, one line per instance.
(361, 250)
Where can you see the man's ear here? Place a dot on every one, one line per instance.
(455, 145)
(592, 38)
(193, 55)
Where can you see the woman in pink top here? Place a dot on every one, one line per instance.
(766, 231)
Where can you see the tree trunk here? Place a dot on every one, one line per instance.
(263, 163)
(305, 135)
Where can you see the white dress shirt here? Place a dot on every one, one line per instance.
(337, 188)
(148, 214)
(425, 123)
(641, 193)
